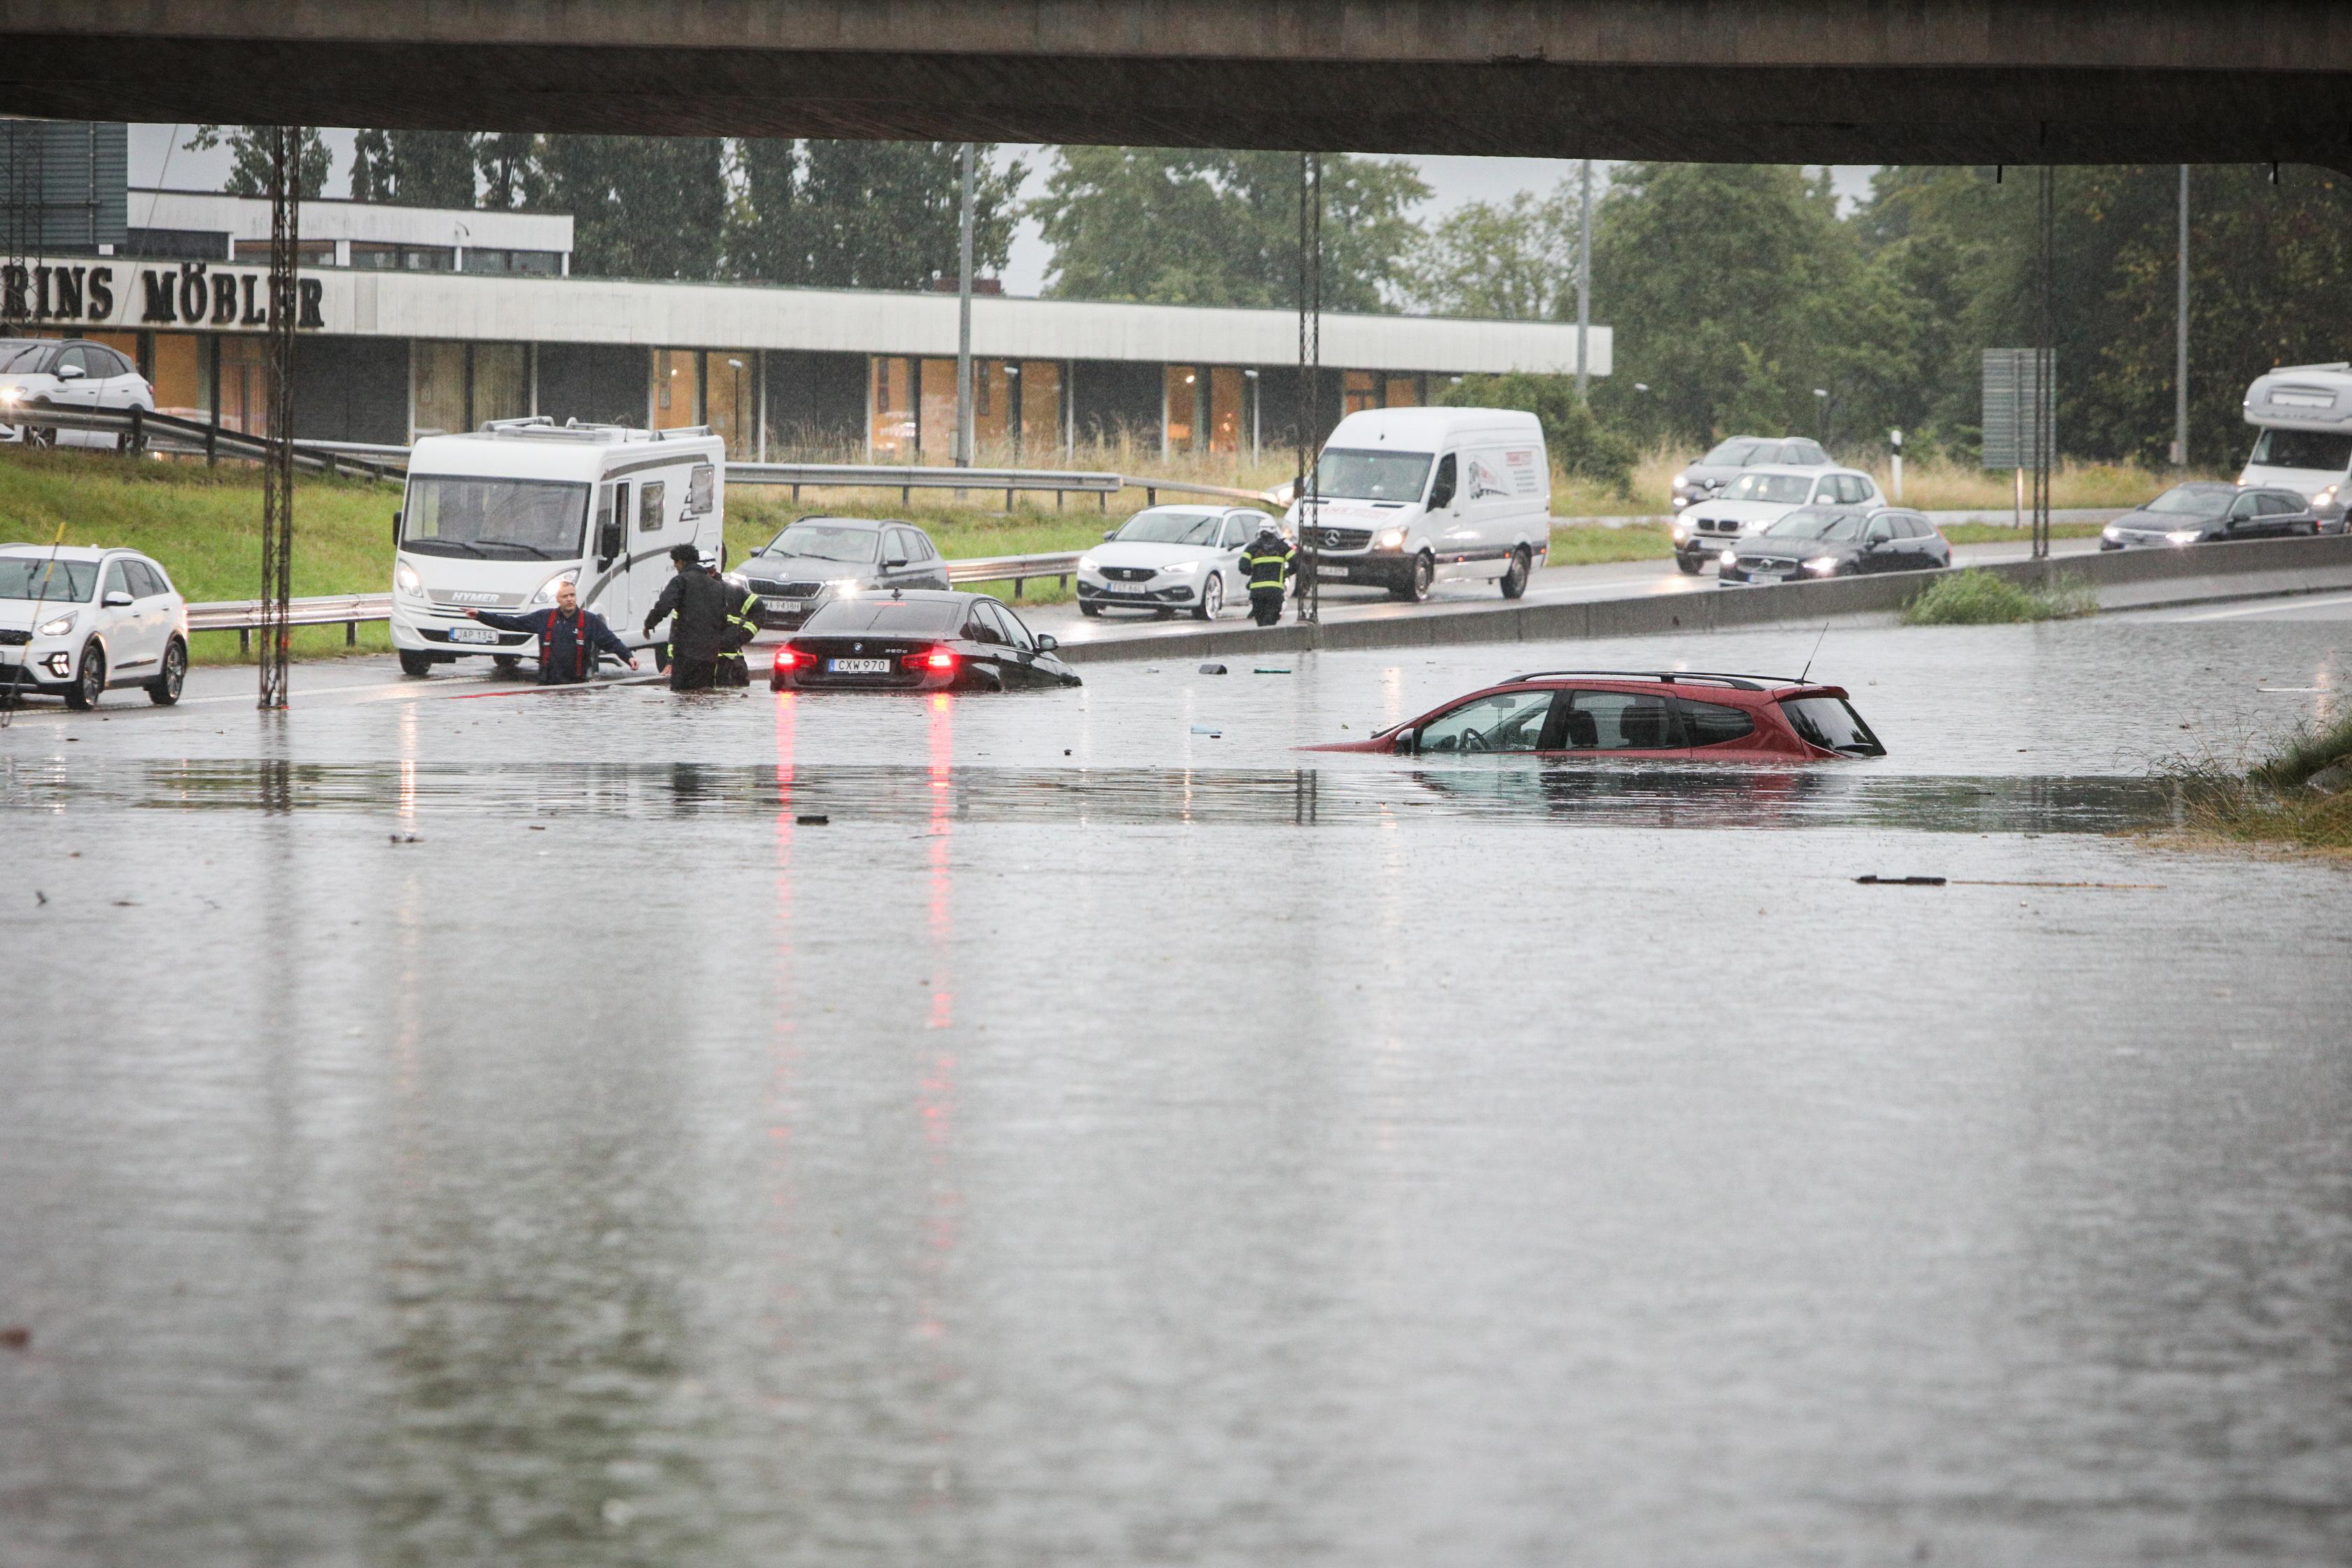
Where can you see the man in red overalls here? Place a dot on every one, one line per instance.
(569, 637)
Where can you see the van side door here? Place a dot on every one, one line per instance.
(1448, 515)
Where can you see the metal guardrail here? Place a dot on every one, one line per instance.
(145, 431)
(905, 481)
(242, 616)
(1013, 569)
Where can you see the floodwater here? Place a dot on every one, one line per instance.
(452, 1126)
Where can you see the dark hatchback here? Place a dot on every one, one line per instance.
(1833, 542)
(920, 641)
(820, 558)
(2211, 511)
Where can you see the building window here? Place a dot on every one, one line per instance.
(182, 385)
(1182, 390)
(313, 252)
(1401, 392)
(526, 263)
(890, 426)
(1040, 394)
(244, 382)
(1226, 432)
(501, 383)
(731, 399)
(677, 389)
(436, 379)
(384, 257)
(936, 437)
(1361, 390)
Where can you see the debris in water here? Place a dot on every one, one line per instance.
(1268, 670)
(403, 838)
(815, 821)
(16, 1337)
(1215, 734)
(1900, 881)
(1212, 670)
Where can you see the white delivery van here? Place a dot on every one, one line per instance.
(1405, 498)
(498, 519)
(2304, 415)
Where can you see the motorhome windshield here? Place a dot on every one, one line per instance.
(494, 520)
(1370, 475)
(38, 577)
(2320, 449)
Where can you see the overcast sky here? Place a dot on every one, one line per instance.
(159, 157)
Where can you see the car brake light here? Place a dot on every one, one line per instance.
(787, 657)
(930, 659)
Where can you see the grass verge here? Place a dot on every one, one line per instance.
(1976, 598)
(2299, 796)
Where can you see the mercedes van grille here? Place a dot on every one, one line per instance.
(1343, 538)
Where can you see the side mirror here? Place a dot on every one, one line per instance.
(71, 372)
(396, 530)
(116, 600)
(1047, 642)
(894, 563)
(1408, 742)
(1110, 534)
(608, 544)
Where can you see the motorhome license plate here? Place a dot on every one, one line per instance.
(472, 634)
(1329, 571)
(858, 665)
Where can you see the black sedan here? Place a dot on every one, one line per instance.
(920, 641)
(2211, 511)
(1836, 541)
(819, 558)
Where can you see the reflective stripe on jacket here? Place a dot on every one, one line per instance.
(1268, 566)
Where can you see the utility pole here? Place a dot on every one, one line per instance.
(2181, 340)
(963, 328)
(1583, 272)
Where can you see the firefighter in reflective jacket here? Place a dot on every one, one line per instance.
(743, 625)
(1269, 563)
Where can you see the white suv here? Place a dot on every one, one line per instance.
(1757, 500)
(74, 622)
(37, 372)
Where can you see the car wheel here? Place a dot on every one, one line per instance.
(1690, 565)
(164, 689)
(1212, 598)
(413, 663)
(39, 437)
(506, 663)
(1515, 577)
(1415, 588)
(90, 680)
(1090, 611)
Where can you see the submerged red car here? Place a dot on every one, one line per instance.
(1669, 716)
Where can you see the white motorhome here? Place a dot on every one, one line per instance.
(498, 519)
(1405, 498)
(2304, 415)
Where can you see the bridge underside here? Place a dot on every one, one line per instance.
(1971, 81)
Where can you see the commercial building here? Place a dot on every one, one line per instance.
(416, 319)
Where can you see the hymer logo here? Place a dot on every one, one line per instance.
(472, 597)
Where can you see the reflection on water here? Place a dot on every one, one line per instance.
(938, 793)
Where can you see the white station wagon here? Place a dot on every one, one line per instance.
(75, 622)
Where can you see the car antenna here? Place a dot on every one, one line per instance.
(1814, 655)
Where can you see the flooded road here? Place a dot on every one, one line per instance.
(454, 1126)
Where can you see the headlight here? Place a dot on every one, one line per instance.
(1085, 563)
(1182, 569)
(1728, 558)
(546, 594)
(1391, 539)
(2111, 531)
(1681, 484)
(844, 587)
(58, 627)
(8, 394)
(1682, 535)
(2324, 498)
(2186, 535)
(1822, 565)
(404, 578)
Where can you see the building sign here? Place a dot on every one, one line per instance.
(188, 294)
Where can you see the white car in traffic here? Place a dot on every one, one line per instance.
(1171, 558)
(75, 375)
(76, 623)
(1758, 499)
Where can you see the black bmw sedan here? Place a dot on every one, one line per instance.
(2211, 511)
(1833, 541)
(917, 640)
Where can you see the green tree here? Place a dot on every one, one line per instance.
(866, 215)
(1189, 227)
(1513, 261)
(415, 168)
(642, 206)
(249, 174)
(1580, 443)
(508, 163)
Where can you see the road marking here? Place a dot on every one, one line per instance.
(2297, 602)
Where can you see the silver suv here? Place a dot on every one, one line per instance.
(1736, 454)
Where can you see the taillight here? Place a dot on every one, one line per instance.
(930, 659)
(788, 656)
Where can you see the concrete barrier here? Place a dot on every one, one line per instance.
(2125, 579)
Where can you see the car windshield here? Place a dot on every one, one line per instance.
(1167, 525)
(1370, 475)
(38, 577)
(1812, 523)
(498, 519)
(852, 542)
(1732, 454)
(2193, 500)
(1769, 488)
(889, 617)
(1832, 723)
(2319, 449)
(23, 354)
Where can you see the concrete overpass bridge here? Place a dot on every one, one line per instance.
(2010, 82)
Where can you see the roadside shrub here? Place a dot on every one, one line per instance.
(1582, 446)
(2300, 794)
(1976, 598)
(2310, 749)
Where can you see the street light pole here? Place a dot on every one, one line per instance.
(2180, 340)
(1583, 272)
(963, 328)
